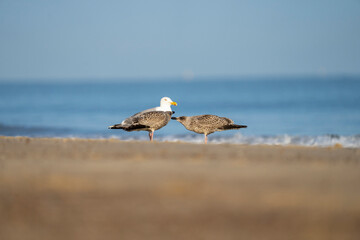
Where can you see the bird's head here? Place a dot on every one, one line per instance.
(181, 119)
(166, 102)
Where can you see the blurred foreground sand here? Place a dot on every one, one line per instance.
(110, 189)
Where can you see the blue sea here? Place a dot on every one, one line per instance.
(311, 111)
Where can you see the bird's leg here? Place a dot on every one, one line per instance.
(151, 135)
(205, 138)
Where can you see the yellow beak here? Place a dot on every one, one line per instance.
(174, 103)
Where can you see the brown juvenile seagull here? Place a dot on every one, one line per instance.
(148, 120)
(207, 124)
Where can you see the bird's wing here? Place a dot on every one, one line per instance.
(153, 118)
(212, 120)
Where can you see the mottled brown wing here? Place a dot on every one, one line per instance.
(156, 119)
(212, 121)
(228, 120)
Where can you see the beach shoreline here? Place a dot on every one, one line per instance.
(53, 188)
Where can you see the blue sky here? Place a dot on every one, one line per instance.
(49, 40)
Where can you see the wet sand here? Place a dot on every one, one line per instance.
(111, 189)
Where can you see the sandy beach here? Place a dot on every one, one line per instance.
(111, 189)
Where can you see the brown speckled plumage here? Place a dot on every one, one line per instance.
(145, 121)
(207, 124)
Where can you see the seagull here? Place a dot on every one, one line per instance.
(148, 120)
(207, 124)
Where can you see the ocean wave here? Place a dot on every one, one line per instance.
(323, 140)
(327, 140)
(283, 140)
(33, 131)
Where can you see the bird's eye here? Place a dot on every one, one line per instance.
(165, 99)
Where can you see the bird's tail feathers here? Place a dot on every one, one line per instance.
(116, 126)
(233, 126)
(137, 127)
(129, 128)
